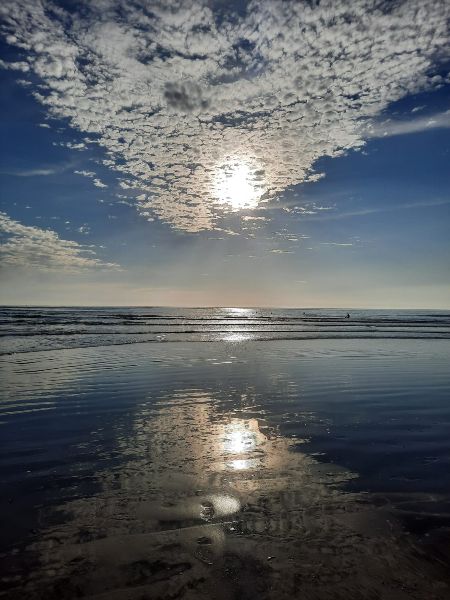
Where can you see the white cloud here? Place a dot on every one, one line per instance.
(336, 244)
(391, 127)
(71, 145)
(175, 96)
(85, 173)
(36, 248)
(309, 208)
(33, 172)
(427, 204)
(96, 181)
(254, 218)
(15, 66)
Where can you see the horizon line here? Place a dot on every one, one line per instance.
(220, 307)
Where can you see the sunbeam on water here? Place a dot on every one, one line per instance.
(239, 184)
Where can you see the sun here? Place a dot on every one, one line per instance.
(236, 186)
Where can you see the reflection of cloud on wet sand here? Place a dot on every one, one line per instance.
(177, 519)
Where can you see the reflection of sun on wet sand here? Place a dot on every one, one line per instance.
(209, 506)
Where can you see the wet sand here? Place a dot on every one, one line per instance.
(199, 471)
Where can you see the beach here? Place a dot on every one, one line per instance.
(229, 468)
(224, 300)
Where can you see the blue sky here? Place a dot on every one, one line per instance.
(254, 154)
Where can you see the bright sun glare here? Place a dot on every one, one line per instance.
(235, 185)
(239, 439)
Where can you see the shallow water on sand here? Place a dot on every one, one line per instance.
(313, 469)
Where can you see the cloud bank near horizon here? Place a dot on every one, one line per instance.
(176, 93)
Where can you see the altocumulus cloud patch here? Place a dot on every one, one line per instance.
(37, 248)
(176, 92)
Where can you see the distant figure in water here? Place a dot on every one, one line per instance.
(347, 316)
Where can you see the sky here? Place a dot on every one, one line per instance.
(217, 153)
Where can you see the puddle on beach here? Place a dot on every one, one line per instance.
(208, 502)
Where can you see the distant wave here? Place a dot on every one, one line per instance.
(31, 329)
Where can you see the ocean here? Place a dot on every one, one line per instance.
(23, 329)
(224, 453)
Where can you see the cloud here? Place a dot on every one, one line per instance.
(178, 95)
(33, 172)
(85, 173)
(254, 218)
(15, 66)
(390, 127)
(309, 208)
(37, 248)
(336, 244)
(184, 96)
(96, 181)
(362, 212)
(71, 145)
